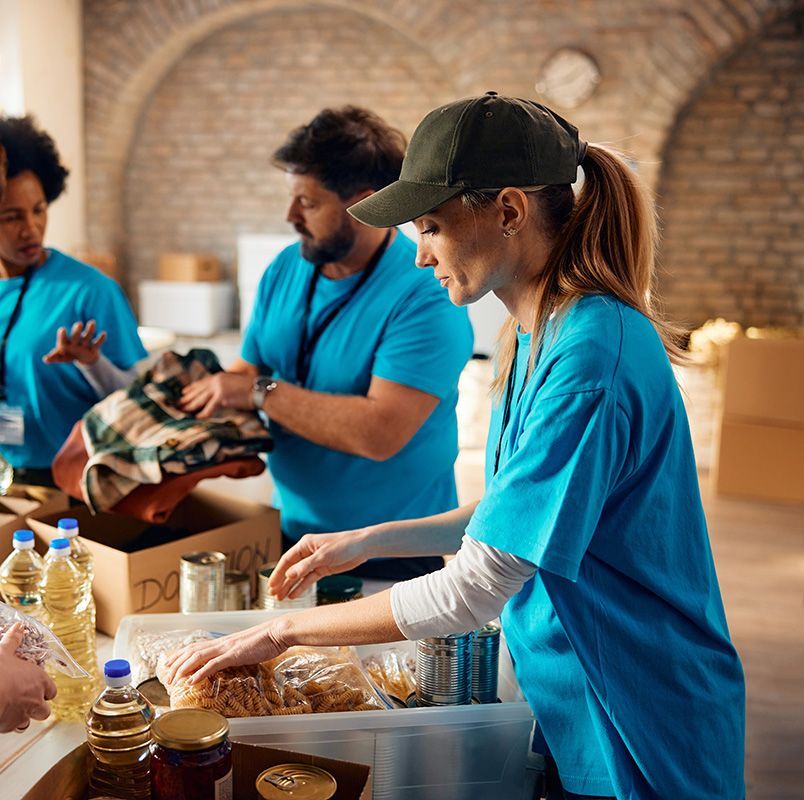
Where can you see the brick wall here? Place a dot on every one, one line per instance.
(732, 191)
(173, 85)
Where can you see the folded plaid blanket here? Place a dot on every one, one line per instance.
(136, 435)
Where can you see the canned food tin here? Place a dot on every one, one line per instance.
(444, 670)
(485, 663)
(266, 600)
(297, 781)
(236, 591)
(201, 581)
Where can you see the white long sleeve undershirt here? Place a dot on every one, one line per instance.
(105, 377)
(468, 592)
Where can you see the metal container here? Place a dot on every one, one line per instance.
(266, 600)
(444, 670)
(201, 582)
(236, 591)
(302, 781)
(485, 663)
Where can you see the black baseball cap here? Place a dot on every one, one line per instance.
(483, 143)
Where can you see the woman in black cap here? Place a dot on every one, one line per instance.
(590, 538)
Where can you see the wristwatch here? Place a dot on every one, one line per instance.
(263, 385)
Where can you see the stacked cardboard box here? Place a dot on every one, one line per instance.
(760, 451)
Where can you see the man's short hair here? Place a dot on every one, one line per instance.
(30, 149)
(347, 149)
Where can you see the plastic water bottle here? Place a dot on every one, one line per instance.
(119, 735)
(65, 607)
(82, 558)
(21, 574)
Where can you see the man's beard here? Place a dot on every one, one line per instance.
(331, 249)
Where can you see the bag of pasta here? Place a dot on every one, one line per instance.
(232, 692)
(147, 646)
(392, 672)
(323, 678)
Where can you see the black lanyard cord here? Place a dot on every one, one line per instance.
(509, 395)
(12, 320)
(308, 342)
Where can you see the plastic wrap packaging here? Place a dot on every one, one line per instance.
(39, 643)
(392, 672)
(147, 647)
(303, 680)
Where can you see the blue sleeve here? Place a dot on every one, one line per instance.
(426, 345)
(545, 502)
(108, 306)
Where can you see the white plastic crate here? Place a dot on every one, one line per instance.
(449, 753)
(187, 308)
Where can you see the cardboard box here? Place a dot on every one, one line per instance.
(765, 462)
(15, 508)
(148, 580)
(68, 779)
(764, 380)
(760, 440)
(189, 267)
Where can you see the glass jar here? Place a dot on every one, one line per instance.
(339, 589)
(191, 757)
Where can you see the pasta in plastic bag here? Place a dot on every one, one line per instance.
(39, 643)
(147, 647)
(391, 671)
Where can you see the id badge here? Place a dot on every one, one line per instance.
(12, 425)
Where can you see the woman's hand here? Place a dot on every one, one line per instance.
(24, 687)
(203, 659)
(78, 346)
(221, 390)
(315, 556)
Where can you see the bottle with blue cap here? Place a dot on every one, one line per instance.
(119, 735)
(65, 607)
(21, 574)
(82, 558)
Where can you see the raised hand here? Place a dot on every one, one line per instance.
(80, 345)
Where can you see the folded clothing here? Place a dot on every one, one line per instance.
(138, 435)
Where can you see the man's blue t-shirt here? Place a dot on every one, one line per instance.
(399, 326)
(55, 396)
(620, 639)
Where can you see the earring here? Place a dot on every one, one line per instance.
(508, 233)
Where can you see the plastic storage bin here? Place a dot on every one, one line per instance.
(450, 753)
(187, 307)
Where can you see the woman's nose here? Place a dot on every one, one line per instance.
(424, 258)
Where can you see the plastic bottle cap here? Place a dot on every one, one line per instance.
(117, 672)
(60, 547)
(23, 540)
(69, 526)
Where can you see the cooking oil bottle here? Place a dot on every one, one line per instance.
(65, 607)
(82, 558)
(119, 735)
(21, 574)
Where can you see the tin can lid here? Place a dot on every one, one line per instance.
(492, 629)
(153, 690)
(299, 781)
(204, 557)
(339, 587)
(234, 576)
(190, 729)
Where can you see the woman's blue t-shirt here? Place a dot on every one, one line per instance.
(54, 397)
(620, 639)
(399, 326)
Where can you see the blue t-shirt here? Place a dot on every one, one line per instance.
(620, 639)
(400, 326)
(55, 396)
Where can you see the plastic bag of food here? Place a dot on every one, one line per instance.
(147, 646)
(391, 671)
(328, 678)
(39, 643)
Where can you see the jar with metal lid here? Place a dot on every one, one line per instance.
(303, 781)
(191, 757)
(339, 589)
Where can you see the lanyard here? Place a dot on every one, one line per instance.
(12, 320)
(509, 394)
(308, 342)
